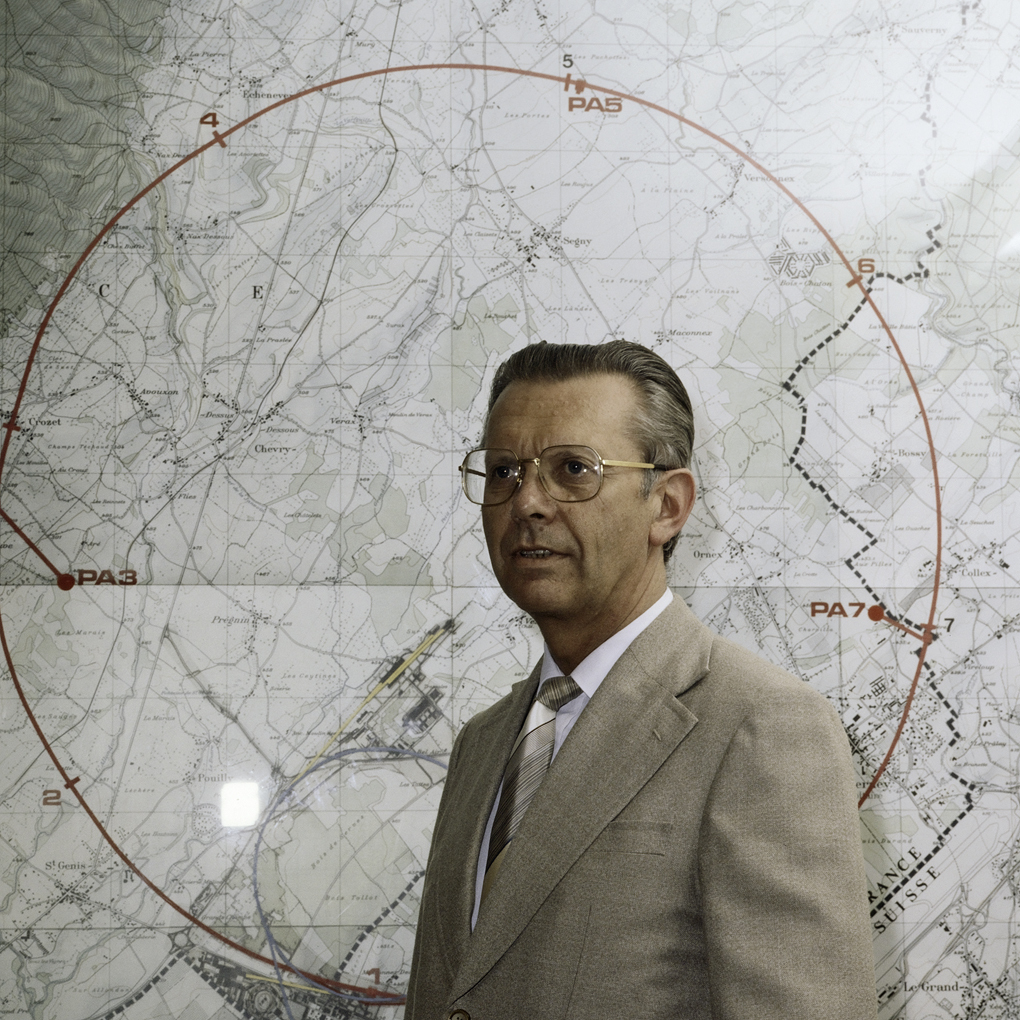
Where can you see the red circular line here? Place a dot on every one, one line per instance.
(218, 139)
(72, 785)
(7, 517)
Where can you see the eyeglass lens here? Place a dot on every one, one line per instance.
(570, 474)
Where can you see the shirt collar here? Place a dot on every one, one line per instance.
(592, 670)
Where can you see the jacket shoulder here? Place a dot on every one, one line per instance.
(700, 667)
(752, 678)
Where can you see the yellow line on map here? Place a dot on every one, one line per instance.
(289, 984)
(429, 641)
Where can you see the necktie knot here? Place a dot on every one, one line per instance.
(557, 691)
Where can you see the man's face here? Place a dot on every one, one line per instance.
(589, 561)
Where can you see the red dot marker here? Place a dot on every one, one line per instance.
(876, 613)
(65, 582)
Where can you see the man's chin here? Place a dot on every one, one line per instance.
(539, 585)
(539, 597)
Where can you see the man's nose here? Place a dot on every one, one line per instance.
(531, 498)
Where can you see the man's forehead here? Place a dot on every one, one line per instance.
(597, 405)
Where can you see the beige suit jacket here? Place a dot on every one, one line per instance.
(693, 852)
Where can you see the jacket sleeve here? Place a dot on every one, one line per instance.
(781, 869)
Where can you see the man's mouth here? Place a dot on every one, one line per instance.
(535, 554)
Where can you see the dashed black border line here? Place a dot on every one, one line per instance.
(922, 273)
(953, 715)
(940, 844)
(147, 987)
(943, 837)
(415, 879)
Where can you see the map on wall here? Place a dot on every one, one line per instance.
(260, 263)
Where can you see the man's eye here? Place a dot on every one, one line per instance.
(575, 467)
(502, 473)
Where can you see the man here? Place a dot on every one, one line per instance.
(693, 849)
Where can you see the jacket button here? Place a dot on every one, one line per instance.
(458, 1014)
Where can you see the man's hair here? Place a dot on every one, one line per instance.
(663, 426)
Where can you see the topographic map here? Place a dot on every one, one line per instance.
(260, 262)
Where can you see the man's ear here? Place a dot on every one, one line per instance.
(675, 492)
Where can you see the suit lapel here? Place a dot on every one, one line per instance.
(481, 765)
(633, 723)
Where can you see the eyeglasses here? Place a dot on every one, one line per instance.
(570, 474)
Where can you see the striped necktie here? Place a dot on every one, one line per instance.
(528, 764)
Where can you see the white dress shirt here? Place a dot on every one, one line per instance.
(590, 672)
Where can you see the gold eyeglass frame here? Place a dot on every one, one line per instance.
(537, 461)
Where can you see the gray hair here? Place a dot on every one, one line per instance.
(663, 426)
